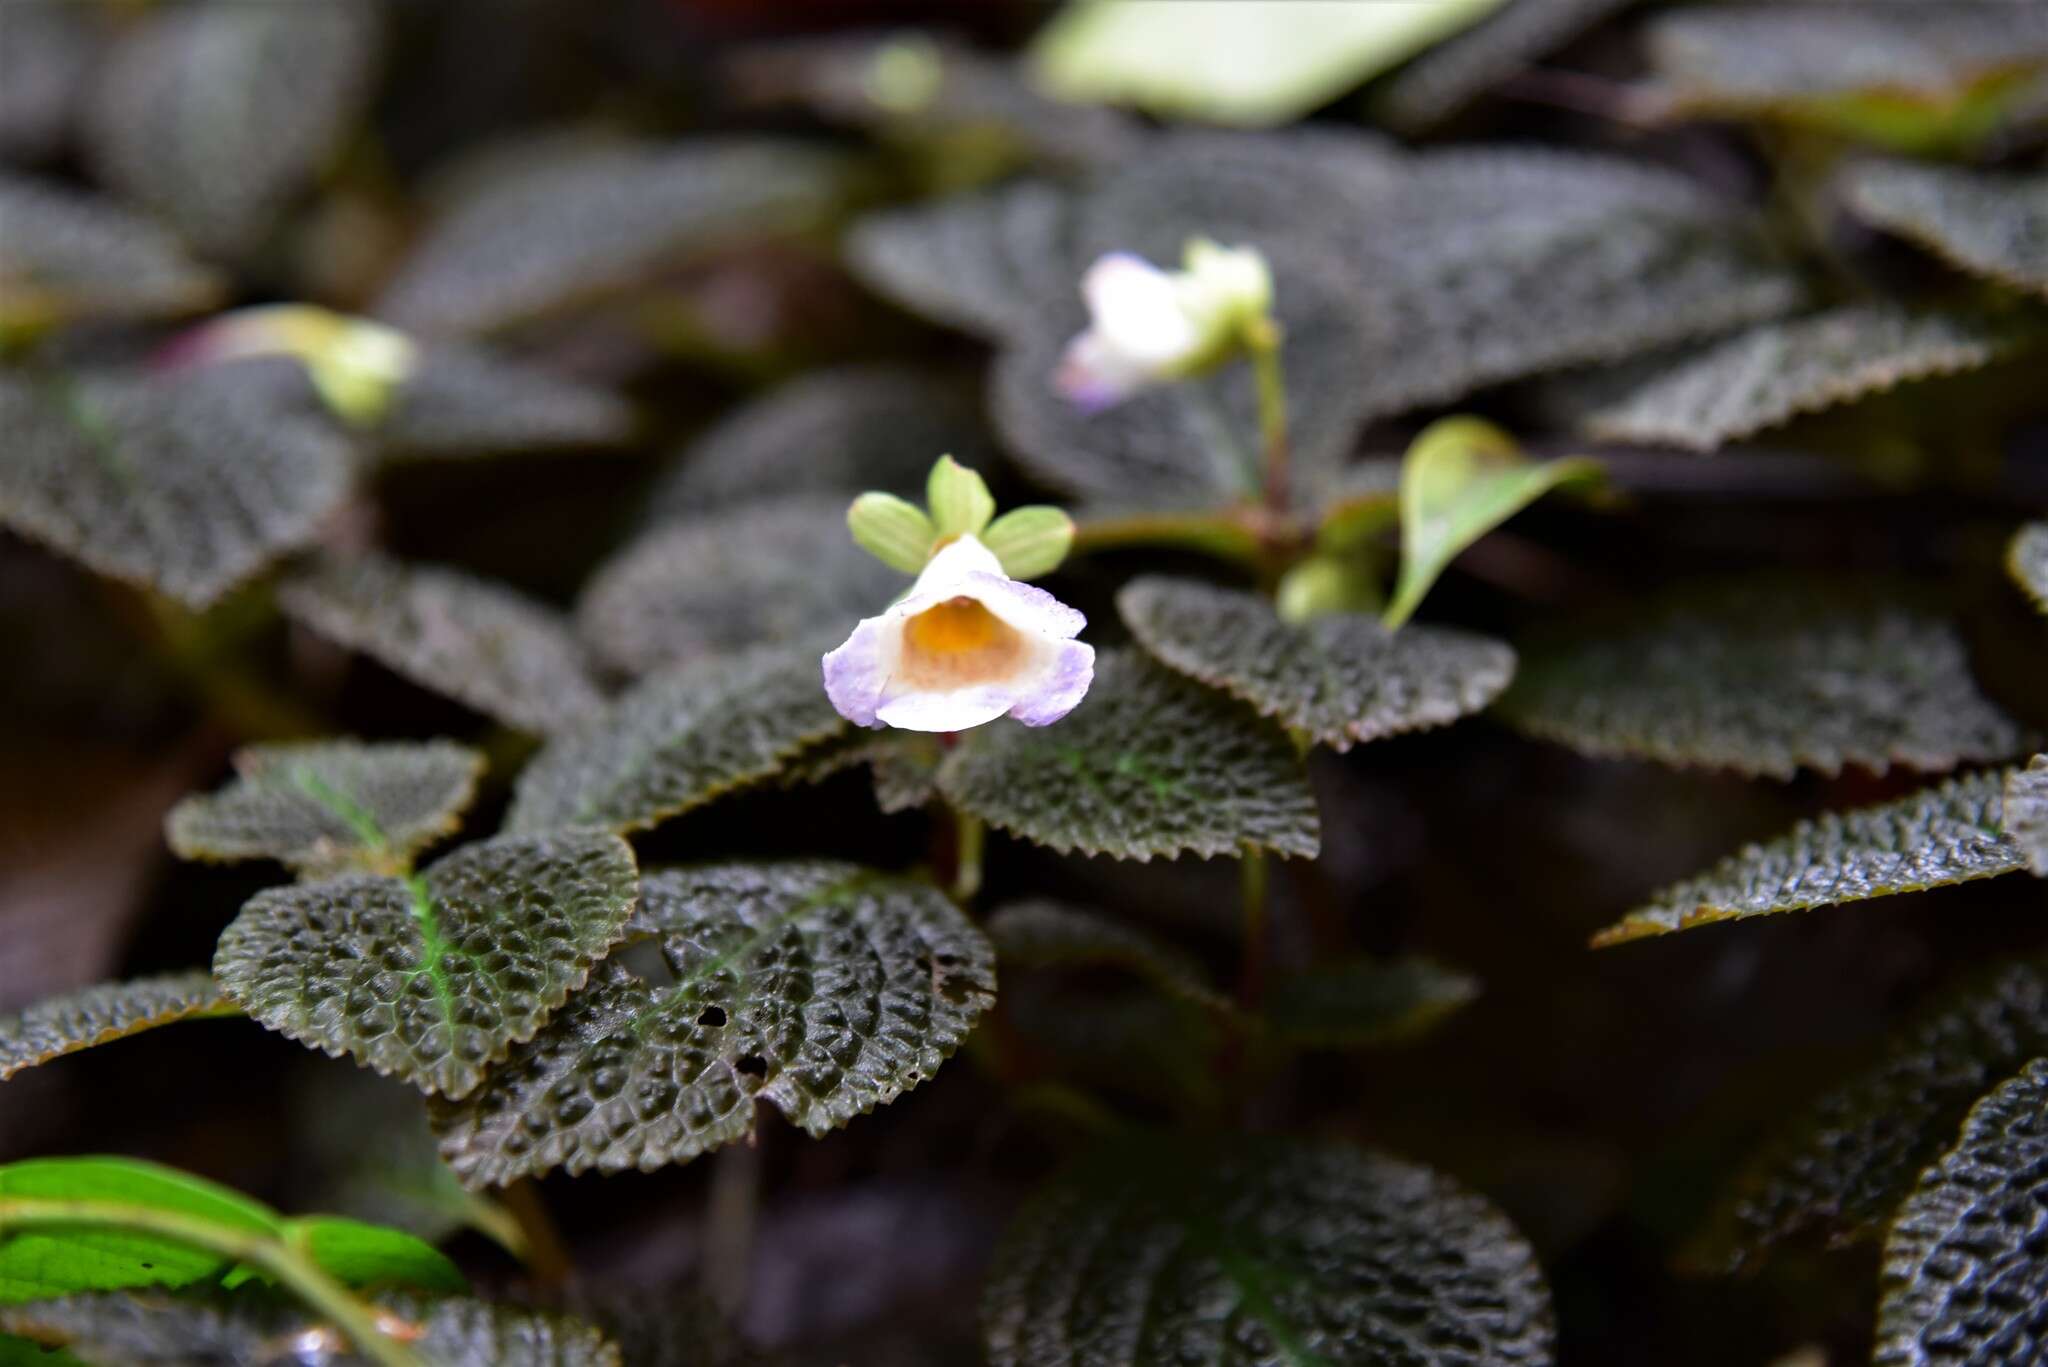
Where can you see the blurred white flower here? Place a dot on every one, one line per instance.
(355, 363)
(1148, 326)
(966, 645)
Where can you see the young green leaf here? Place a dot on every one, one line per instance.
(958, 498)
(483, 644)
(1460, 479)
(823, 988)
(1990, 223)
(71, 256)
(106, 1012)
(1366, 1003)
(1150, 763)
(1030, 541)
(2026, 560)
(1950, 833)
(1244, 1251)
(1765, 676)
(1341, 679)
(893, 530)
(435, 977)
(1041, 934)
(329, 807)
(1964, 1279)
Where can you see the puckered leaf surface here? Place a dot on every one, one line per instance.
(105, 1012)
(1340, 678)
(480, 643)
(1151, 763)
(188, 485)
(66, 256)
(1765, 677)
(1043, 934)
(2026, 559)
(779, 571)
(1989, 223)
(461, 400)
(677, 740)
(1839, 1170)
(123, 1330)
(823, 988)
(215, 115)
(1950, 833)
(2026, 812)
(579, 229)
(902, 765)
(1775, 372)
(1361, 1003)
(1260, 1251)
(435, 977)
(330, 807)
(1964, 1279)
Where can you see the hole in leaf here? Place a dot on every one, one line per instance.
(753, 1065)
(711, 1015)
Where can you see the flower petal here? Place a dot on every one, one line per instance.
(1062, 687)
(1092, 376)
(1026, 607)
(1137, 313)
(955, 710)
(857, 672)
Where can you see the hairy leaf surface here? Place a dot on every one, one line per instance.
(823, 988)
(1964, 1279)
(328, 807)
(435, 977)
(65, 256)
(105, 1012)
(1993, 224)
(1042, 934)
(459, 400)
(1362, 1003)
(1950, 833)
(483, 644)
(1259, 1251)
(1765, 677)
(1341, 678)
(1151, 763)
(188, 486)
(678, 740)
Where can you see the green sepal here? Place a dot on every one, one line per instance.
(893, 530)
(958, 498)
(1030, 541)
(1323, 584)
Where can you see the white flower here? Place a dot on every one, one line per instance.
(355, 363)
(1147, 326)
(966, 645)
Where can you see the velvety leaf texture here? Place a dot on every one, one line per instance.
(1778, 371)
(188, 486)
(775, 572)
(49, 49)
(66, 256)
(902, 765)
(1262, 1251)
(480, 643)
(1839, 1169)
(1993, 224)
(678, 740)
(1964, 1280)
(459, 400)
(2026, 812)
(432, 978)
(2026, 559)
(1765, 677)
(330, 806)
(1450, 76)
(1151, 763)
(1049, 935)
(1340, 678)
(1362, 1003)
(103, 1013)
(1950, 833)
(823, 988)
(216, 115)
(577, 230)
(156, 1330)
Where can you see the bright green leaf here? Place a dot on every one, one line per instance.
(1030, 541)
(893, 530)
(362, 1254)
(958, 499)
(103, 1013)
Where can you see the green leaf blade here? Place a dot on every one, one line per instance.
(1366, 1003)
(106, 1012)
(1989, 223)
(1048, 935)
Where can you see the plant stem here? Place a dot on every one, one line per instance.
(1222, 534)
(969, 837)
(1262, 340)
(366, 1326)
(539, 1245)
(1252, 880)
(729, 1226)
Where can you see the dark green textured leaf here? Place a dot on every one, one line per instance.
(1989, 223)
(188, 485)
(1841, 1168)
(1765, 677)
(66, 256)
(1342, 678)
(678, 740)
(575, 230)
(1366, 1002)
(1947, 834)
(2026, 559)
(1049, 935)
(1441, 82)
(823, 988)
(903, 765)
(770, 573)
(432, 978)
(460, 400)
(103, 1013)
(329, 807)
(841, 431)
(472, 640)
(115, 1330)
(43, 66)
(1964, 1280)
(2026, 812)
(1778, 371)
(215, 115)
(1151, 763)
(1262, 1251)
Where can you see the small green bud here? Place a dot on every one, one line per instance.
(1030, 541)
(1324, 584)
(893, 530)
(959, 500)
